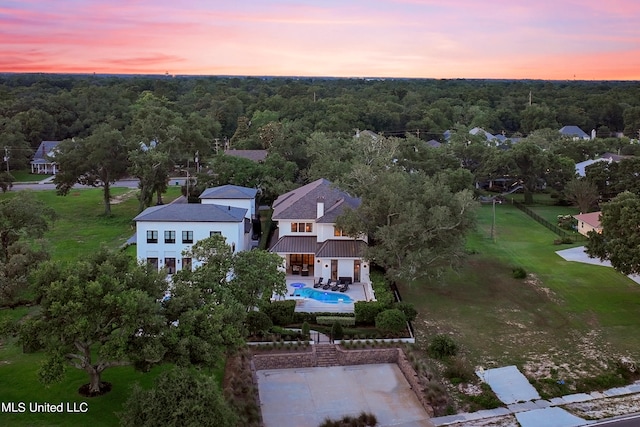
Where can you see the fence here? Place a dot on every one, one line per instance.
(574, 237)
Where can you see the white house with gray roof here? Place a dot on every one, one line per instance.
(308, 239)
(164, 232)
(43, 161)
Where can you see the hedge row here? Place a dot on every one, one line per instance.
(330, 320)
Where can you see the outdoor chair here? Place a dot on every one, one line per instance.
(319, 283)
(344, 287)
(328, 285)
(337, 286)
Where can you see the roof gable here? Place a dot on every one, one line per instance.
(301, 203)
(45, 150)
(591, 218)
(229, 192)
(573, 131)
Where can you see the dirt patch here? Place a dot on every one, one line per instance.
(123, 197)
(533, 281)
(605, 408)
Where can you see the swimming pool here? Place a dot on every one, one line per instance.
(322, 296)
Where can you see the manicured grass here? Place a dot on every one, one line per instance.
(567, 313)
(27, 176)
(81, 228)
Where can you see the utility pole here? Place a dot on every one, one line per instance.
(493, 222)
(6, 156)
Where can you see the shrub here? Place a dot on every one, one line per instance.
(519, 273)
(330, 320)
(306, 330)
(336, 331)
(366, 311)
(280, 312)
(408, 309)
(287, 334)
(459, 370)
(258, 323)
(381, 289)
(442, 346)
(391, 321)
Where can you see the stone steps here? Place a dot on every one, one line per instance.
(326, 355)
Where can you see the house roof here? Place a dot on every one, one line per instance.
(229, 192)
(433, 143)
(295, 245)
(301, 203)
(45, 152)
(591, 218)
(254, 155)
(327, 249)
(573, 131)
(192, 213)
(477, 130)
(341, 249)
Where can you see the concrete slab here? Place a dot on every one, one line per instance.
(549, 417)
(577, 398)
(579, 255)
(521, 407)
(306, 397)
(509, 384)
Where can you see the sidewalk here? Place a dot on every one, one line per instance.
(512, 387)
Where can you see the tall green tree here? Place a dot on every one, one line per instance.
(417, 223)
(619, 241)
(583, 193)
(151, 167)
(96, 313)
(23, 222)
(179, 397)
(256, 275)
(97, 161)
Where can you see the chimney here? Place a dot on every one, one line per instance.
(319, 207)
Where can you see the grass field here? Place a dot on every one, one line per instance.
(81, 228)
(26, 176)
(566, 319)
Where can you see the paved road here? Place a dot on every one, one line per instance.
(632, 421)
(128, 183)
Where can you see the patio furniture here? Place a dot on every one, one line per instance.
(319, 283)
(336, 286)
(295, 269)
(328, 285)
(344, 287)
(305, 270)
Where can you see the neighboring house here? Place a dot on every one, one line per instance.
(232, 195)
(257, 156)
(589, 221)
(307, 238)
(574, 132)
(164, 232)
(606, 157)
(44, 159)
(433, 143)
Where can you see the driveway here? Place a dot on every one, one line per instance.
(579, 255)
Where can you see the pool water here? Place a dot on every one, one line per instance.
(322, 296)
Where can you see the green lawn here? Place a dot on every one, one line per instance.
(567, 316)
(81, 228)
(26, 176)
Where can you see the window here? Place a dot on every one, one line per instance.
(187, 237)
(301, 227)
(169, 236)
(338, 232)
(186, 264)
(152, 236)
(214, 233)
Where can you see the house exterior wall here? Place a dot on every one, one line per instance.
(284, 227)
(232, 231)
(584, 228)
(345, 268)
(248, 204)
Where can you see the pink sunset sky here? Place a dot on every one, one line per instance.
(513, 39)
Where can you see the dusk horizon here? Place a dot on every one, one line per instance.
(515, 40)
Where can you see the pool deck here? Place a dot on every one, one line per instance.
(356, 291)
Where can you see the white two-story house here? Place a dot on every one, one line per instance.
(164, 232)
(309, 241)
